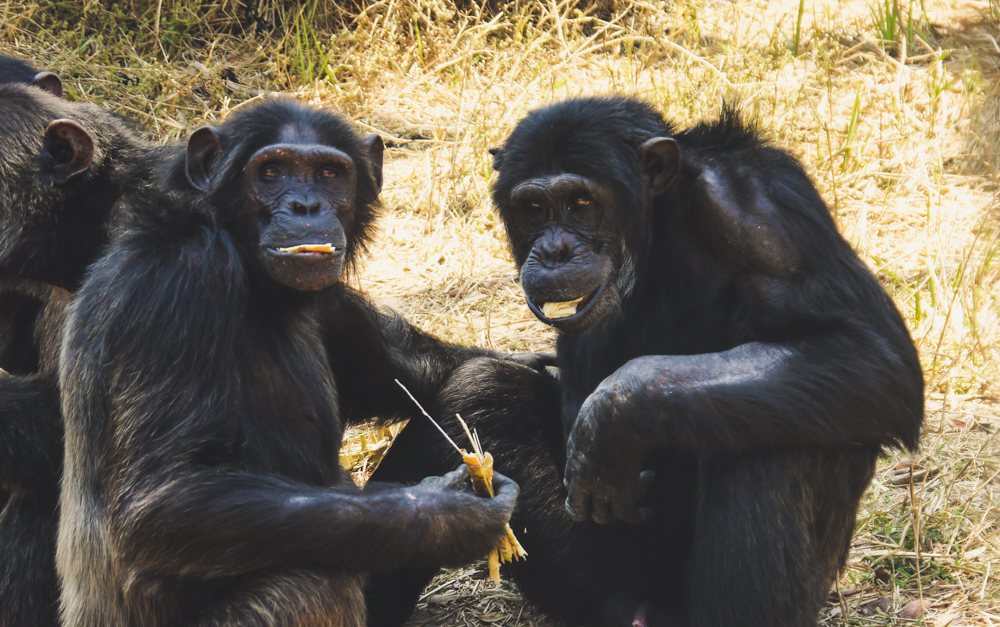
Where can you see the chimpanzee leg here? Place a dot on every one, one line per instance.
(582, 572)
(390, 597)
(294, 599)
(29, 588)
(756, 559)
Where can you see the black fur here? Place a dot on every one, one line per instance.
(204, 403)
(50, 230)
(746, 356)
(14, 70)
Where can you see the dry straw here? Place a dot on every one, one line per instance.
(891, 104)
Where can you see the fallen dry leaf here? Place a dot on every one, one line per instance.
(911, 462)
(878, 606)
(914, 609)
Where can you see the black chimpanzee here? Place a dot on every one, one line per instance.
(14, 70)
(64, 169)
(21, 349)
(729, 373)
(204, 417)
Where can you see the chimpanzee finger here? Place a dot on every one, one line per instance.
(537, 361)
(626, 511)
(602, 510)
(578, 505)
(642, 516)
(505, 490)
(450, 481)
(645, 482)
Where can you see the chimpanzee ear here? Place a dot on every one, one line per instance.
(661, 161)
(202, 148)
(69, 150)
(50, 82)
(375, 151)
(497, 158)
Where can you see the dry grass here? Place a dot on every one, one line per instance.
(897, 122)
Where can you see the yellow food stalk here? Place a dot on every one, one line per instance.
(555, 311)
(309, 248)
(481, 471)
(480, 466)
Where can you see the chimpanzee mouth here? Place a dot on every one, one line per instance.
(559, 312)
(306, 250)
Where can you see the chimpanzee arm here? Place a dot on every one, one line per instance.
(815, 392)
(369, 348)
(31, 434)
(158, 369)
(847, 375)
(212, 522)
(821, 392)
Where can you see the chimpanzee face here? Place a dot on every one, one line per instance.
(304, 197)
(575, 262)
(302, 194)
(572, 260)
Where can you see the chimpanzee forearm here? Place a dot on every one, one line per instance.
(824, 391)
(820, 391)
(210, 523)
(31, 435)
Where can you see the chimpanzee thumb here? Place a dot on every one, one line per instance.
(505, 491)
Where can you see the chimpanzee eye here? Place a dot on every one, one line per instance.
(579, 202)
(328, 173)
(270, 172)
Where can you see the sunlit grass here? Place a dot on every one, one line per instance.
(892, 105)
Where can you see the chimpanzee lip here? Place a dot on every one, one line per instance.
(581, 309)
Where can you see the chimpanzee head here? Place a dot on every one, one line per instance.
(14, 70)
(58, 187)
(575, 187)
(297, 182)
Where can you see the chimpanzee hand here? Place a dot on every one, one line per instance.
(463, 527)
(451, 481)
(604, 462)
(505, 491)
(535, 361)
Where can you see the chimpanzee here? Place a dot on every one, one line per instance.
(64, 170)
(729, 373)
(14, 70)
(203, 415)
(22, 304)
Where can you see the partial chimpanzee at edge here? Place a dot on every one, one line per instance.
(64, 171)
(729, 373)
(21, 305)
(209, 360)
(14, 70)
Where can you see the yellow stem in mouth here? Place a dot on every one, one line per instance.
(309, 248)
(555, 311)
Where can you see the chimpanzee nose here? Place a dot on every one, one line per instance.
(554, 249)
(304, 208)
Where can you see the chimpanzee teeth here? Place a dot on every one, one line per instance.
(556, 311)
